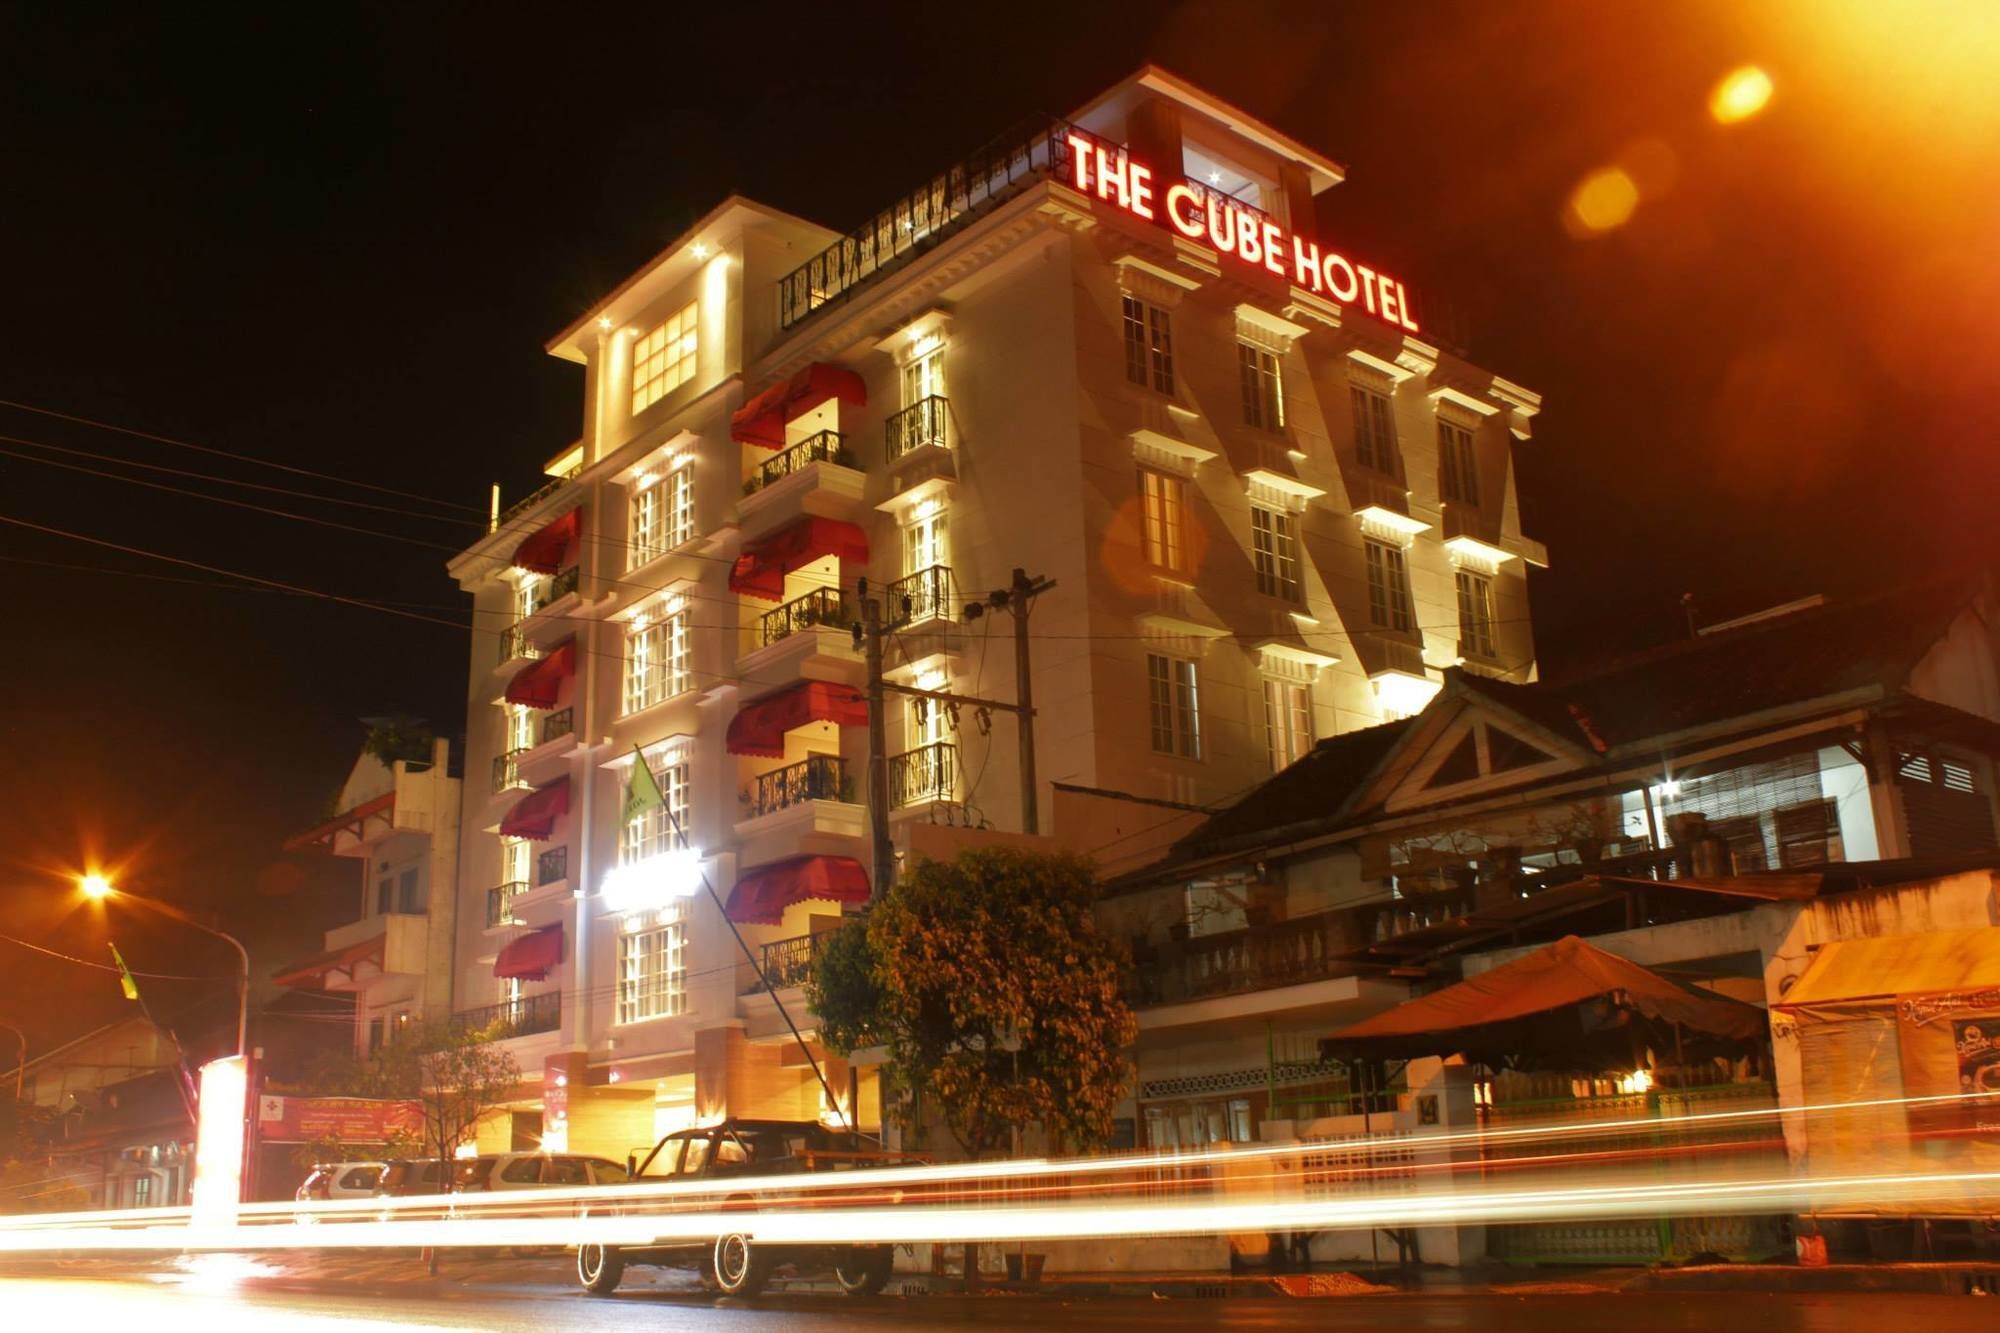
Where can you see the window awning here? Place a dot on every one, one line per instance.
(1560, 1006)
(548, 551)
(761, 421)
(759, 726)
(534, 816)
(762, 893)
(310, 973)
(1878, 971)
(538, 684)
(532, 956)
(760, 571)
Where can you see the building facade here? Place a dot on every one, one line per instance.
(400, 821)
(1112, 351)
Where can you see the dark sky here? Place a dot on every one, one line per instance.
(337, 238)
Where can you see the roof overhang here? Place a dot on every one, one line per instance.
(353, 822)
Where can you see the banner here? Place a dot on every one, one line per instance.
(1951, 1044)
(348, 1119)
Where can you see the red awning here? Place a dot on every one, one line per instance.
(532, 956)
(762, 420)
(534, 816)
(310, 973)
(760, 571)
(536, 686)
(759, 726)
(762, 893)
(548, 551)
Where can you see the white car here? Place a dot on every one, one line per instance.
(342, 1180)
(531, 1170)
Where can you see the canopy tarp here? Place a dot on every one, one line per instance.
(762, 893)
(534, 816)
(538, 685)
(547, 551)
(1568, 1005)
(1879, 970)
(762, 420)
(532, 956)
(760, 571)
(759, 726)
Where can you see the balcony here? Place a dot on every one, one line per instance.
(514, 1018)
(924, 424)
(500, 902)
(927, 595)
(784, 963)
(552, 866)
(527, 502)
(507, 771)
(1285, 953)
(514, 646)
(819, 777)
(826, 447)
(558, 724)
(821, 606)
(927, 773)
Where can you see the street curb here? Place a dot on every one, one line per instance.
(1916, 1279)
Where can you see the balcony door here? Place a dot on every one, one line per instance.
(925, 542)
(924, 378)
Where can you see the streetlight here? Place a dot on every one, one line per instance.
(99, 889)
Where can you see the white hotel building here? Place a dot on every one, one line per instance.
(1272, 511)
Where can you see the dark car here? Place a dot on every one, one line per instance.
(733, 1263)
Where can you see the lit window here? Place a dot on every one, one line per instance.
(520, 727)
(652, 833)
(1475, 614)
(1174, 690)
(1149, 345)
(924, 378)
(663, 360)
(1374, 431)
(1287, 722)
(1163, 501)
(662, 516)
(1274, 544)
(1388, 586)
(656, 661)
(925, 542)
(515, 855)
(652, 970)
(1263, 387)
(1458, 470)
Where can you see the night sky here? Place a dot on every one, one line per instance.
(337, 239)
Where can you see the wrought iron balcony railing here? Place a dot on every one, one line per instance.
(924, 422)
(558, 724)
(927, 773)
(821, 606)
(507, 770)
(514, 645)
(783, 963)
(825, 447)
(499, 902)
(928, 594)
(552, 866)
(819, 777)
(514, 1018)
(529, 501)
(563, 584)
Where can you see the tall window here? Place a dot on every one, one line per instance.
(1163, 502)
(652, 969)
(656, 660)
(515, 855)
(662, 516)
(1374, 430)
(663, 360)
(406, 892)
(1388, 586)
(1263, 387)
(653, 832)
(1475, 614)
(1176, 705)
(925, 542)
(1274, 544)
(1149, 345)
(1458, 470)
(924, 377)
(1288, 731)
(520, 727)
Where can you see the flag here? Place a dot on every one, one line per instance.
(125, 982)
(642, 792)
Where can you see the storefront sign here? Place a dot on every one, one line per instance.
(1950, 1047)
(346, 1119)
(1249, 235)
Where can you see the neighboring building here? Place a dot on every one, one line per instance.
(400, 821)
(1111, 351)
(1742, 765)
(123, 1133)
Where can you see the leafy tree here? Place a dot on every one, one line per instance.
(390, 739)
(997, 999)
(454, 1073)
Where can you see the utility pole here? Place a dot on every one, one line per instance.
(869, 631)
(1017, 598)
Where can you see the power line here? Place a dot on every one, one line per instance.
(241, 458)
(107, 967)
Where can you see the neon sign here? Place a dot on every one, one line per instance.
(1233, 228)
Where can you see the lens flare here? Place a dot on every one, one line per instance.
(1602, 202)
(1743, 93)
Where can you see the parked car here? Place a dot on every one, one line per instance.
(415, 1175)
(530, 1170)
(734, 1263)
(341, 1180)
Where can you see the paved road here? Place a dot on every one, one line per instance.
(217, 1301)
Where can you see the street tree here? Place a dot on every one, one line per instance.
(997, 999)
(455, 1074)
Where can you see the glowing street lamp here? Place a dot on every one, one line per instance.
(95, 887)
(98, 888)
